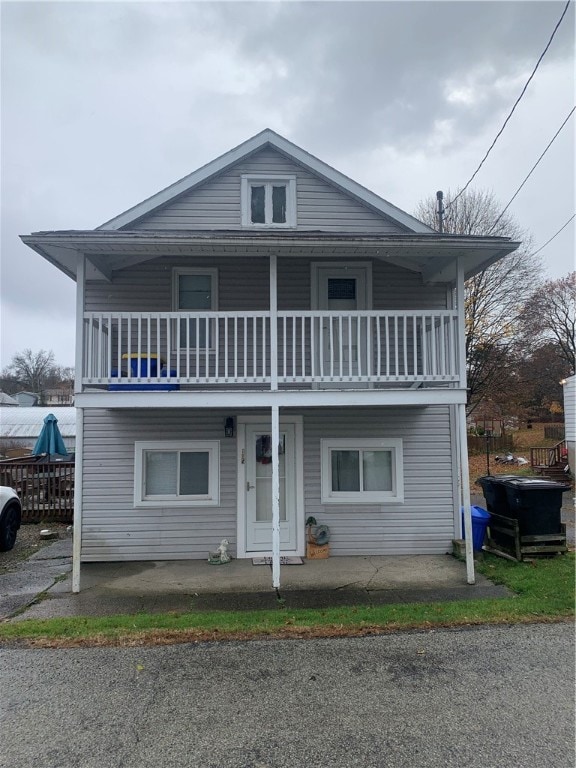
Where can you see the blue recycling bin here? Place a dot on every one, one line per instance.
(480, 520)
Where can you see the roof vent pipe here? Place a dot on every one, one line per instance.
(440, 210)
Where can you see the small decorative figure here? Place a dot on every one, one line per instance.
(223, 550)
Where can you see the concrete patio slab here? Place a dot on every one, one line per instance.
(195, 585)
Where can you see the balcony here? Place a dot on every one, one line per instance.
(262, 350)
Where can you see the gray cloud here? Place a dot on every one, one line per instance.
(104, 104)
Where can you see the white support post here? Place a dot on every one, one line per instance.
(462, 431)
(274, 323)
(79, 362)
(77, 530)
(275, 497)
(79, 449)
(464, 473)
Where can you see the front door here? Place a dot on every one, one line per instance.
(259, 489)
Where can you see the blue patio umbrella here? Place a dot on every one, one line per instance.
(50, 440)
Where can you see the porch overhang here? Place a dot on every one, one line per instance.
(240, 400)
(433, 255)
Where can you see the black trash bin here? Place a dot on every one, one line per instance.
(536, 504)
(495, 493)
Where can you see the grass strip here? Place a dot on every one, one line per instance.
(543, 591)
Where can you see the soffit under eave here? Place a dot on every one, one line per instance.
(65, 259)
(444, 270)
(434, 266)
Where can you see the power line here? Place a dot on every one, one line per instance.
(532, 170)
(465, 187)
(553, 236)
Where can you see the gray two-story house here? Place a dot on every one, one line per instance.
(264, 341)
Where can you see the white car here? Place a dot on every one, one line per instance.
(10, 517)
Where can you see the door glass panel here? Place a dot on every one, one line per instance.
(263, 449)
(377, 466)
(341, 293)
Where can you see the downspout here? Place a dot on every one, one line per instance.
(275, 423)
(79, 448)
(462, 432)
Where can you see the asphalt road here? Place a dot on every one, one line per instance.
(486, 697)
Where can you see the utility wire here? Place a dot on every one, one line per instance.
(531, 170)
(465, 187)
(553, 236)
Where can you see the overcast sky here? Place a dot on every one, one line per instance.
(104, 104)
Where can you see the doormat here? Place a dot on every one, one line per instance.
(283, 561)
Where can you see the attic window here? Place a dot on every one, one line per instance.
(268, 201)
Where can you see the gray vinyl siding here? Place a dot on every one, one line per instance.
(112, 529)
(216, 203)
(243, 285)
(424, 522)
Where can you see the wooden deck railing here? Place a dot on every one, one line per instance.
(541, 458)
(46, 489)
(219, 348)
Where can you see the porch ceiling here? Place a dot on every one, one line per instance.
(432, 255)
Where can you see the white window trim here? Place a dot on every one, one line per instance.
(259, 179)
(396, 495)
(211, 499)
(213, 273)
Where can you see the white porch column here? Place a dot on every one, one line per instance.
(273, 323)
(78, 485)
(79, 447)
(275, 422)
(275, 497)
(462, 431)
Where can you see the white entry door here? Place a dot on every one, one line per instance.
(259, 489)
(344, 342)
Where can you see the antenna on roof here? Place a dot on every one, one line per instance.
(440, 210)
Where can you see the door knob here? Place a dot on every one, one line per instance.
(248, 486)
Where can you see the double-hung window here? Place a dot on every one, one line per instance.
(362, 471)
(194, 290)
(268, 201)
(177, 473)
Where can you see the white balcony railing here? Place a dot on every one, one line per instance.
(313, 347)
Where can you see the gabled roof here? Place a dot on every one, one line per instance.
(266, 138)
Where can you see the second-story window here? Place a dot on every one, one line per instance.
(268, 201)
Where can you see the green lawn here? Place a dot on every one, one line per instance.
(543, 591)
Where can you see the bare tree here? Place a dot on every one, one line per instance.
(551, 314)
(32, 369)
(494, 298)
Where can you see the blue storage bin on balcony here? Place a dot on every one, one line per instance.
(147, 366)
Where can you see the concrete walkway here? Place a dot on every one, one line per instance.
(185, 585)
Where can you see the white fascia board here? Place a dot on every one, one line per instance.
(267, 398)
(249, 147)
(347, 184)
(187, 182)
